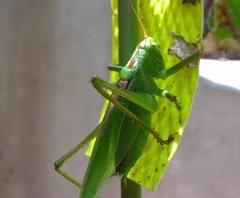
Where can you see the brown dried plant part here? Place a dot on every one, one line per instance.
(190, 1)
(183, 49)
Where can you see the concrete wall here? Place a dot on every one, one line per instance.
(49, 50)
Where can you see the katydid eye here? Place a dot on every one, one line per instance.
(154, 45)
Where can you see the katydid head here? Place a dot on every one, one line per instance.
(152, 58)
(151, 55)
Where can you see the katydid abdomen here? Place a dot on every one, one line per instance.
(102, 164)
(129, 127)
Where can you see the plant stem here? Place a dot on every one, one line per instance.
(128, 30)
(130, 190)
(128, 40)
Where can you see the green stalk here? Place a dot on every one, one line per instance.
(128, 40)
(130, 190)
(128, 30)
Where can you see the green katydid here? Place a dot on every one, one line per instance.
(123, 132)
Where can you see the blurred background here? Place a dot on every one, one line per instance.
(49, 50)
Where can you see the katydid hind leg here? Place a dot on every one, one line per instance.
(58, 164)
(116, 103)
(144, 100)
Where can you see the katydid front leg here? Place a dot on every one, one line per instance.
(174, 69)
(177, 67)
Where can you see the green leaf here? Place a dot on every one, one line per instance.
(159, 19)
(234, 10)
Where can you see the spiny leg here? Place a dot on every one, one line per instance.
(58, 164)
(163, 93)
(97, 83)
(144, 100)
(174, 69)
(168, 95)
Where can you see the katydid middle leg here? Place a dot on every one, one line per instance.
(116, 68)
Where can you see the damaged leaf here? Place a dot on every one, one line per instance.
(183, 49)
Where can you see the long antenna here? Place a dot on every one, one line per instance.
(144, 32)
